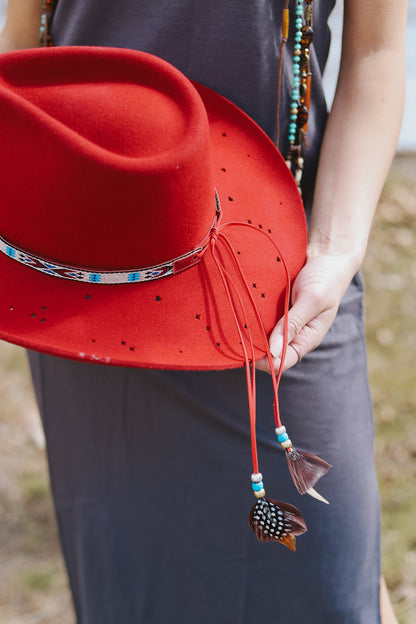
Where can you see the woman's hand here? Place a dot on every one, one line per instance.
(316, 294)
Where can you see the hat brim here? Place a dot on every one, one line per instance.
(183, 321)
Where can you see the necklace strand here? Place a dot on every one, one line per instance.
(301, 88)
(45, 38)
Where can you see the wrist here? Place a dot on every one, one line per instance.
(351, 255)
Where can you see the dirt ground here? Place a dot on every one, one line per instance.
(33, 585)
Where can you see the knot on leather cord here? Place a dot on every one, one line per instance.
(214, 235)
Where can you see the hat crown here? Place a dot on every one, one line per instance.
(117, 170)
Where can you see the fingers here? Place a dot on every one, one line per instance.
(297, 319)
(292, 358)
(307, 325)
(301, 339)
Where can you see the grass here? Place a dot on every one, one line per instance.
(33, 587)
(390, 274)
(40, 579)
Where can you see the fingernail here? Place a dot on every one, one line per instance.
(276, 345)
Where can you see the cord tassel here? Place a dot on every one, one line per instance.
(274, 521)
(305, 468)
(270, 520)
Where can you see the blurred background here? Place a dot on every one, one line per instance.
(33, 586)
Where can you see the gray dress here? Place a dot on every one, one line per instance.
(150, 469)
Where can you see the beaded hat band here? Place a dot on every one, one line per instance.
(131, 276)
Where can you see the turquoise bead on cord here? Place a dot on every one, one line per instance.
(283, 437)
(257, 486)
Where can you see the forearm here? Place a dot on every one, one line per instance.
(22, 25)
(358, 146)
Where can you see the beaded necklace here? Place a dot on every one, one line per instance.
(45, 38)
(301, 85)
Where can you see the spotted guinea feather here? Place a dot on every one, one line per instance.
(274, 521)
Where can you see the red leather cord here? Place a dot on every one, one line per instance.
(249, 360)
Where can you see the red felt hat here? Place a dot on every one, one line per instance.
(142, 217)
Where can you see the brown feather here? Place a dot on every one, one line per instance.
(305, 469)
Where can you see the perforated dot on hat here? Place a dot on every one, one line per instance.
(43, 320)
(269, 231)
(197, 316)
(33, 315)
(254, 285)
(224, 134)
(132, 348)
(158, 298)
(278, 259)
(230, 199)
(223, 169)
(260, 226)
(92, 339)
(249, 221)
(11, 309)
(123, 343)
(263, 295)
(44, 308)
(87, 296)
(208, 328)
